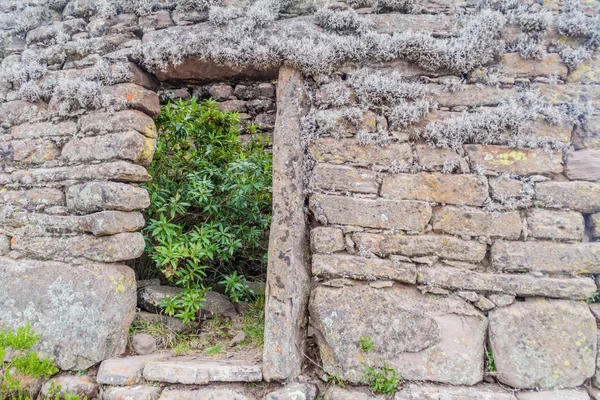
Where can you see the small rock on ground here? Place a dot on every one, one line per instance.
(82, 386)
(143, 344)
(239, 338)
(132, 393)
(205, 394)
(294, 391)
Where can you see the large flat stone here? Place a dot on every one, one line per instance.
(374, 213)
(468, 221)
(41, 130)
(577, 196)
(423, 337)
(294, 391)
(125, 371)
(503, 159)
(350, 151)
(202, 372)
(447, 247)
(81, 386)
(547, 344)
(82, 313)
(134, 96)
(98, 196)
(436, 187)
(434, 392)
(39, 196)
(518, 285)
(581, 258)
(347, 266)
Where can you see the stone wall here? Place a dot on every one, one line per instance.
(452, 213)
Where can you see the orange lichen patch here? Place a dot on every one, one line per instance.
(13, 240)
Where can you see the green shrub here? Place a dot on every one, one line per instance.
(382, 379)
(23, 364)
(210, 206)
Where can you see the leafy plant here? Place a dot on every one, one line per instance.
(23, 363)
(491, 363)
(382, 379)
(210, 206)
(236, 286)
(216, 349)
(366, 344)
(594, 297)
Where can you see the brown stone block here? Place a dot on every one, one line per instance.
(550, 257)
(135, 97)
(577, 196)
(475, 96)
(326, 240)
(129, 145)
(41, 130)
(517, 67)
(546, 224)
(99, 196)
(121, 121)
(373, 213)
(436, 187)
(561, 344)
(343, 178)
(447, 247)
(351, 152)
(361, 268)
(476, 222)
(583, 165)
(438, 159)
(502, 159)
(39, 196)
(587, 71)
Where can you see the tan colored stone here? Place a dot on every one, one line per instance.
(423, 337)
(129, 145)
(18, 112)
(595, 225)
(546, 224)
(132, 392)
(40, 130)
(326, 240)
(202, 372)
(571, 258)
(81, 386)
(134, 96)
(99, 196)
(504, 187)
(476, 222)
(547, 344)
(583, 165)
(440, 24)
(545, 130)
(209, 393)
(438, 159)
(33, 151)
(118, 170)
(587, 71)
(433, 392)
(342, 178)
(40, 196)
(561, 94)
(374, 213)
(361, 268)
(447, 247)
(578, 196)
(554, 395)
(121, 121)
(502, 159)
(475, 96)
(125, 371)
(108, 249)
(517, 67)
(513, 284)
(436, 187)
(351, 152)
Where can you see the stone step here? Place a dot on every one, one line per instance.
(205, 394)
(126, 371)
(201, 372)
(132, 393)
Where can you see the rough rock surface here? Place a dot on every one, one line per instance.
(82, 386)
(294, 391)
(433, 392)
(346, 266)
(205, 394)
(563, 357)
(96, 301)
(132, 393)
(125, 371)
(423, 337)
(202, 371)
(143, 344)
(554, 395)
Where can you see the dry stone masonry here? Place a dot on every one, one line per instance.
(436, 188)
